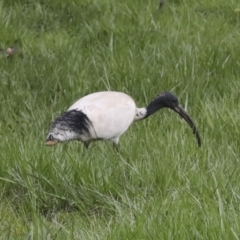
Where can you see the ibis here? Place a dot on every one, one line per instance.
(107, 115)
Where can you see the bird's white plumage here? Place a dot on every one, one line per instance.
(111, 113)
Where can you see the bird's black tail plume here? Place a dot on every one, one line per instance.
(72, 120)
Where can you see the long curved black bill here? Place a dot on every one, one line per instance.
(180, 110)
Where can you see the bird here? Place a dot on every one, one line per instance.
(107, 115)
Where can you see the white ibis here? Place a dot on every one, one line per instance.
(106, 116)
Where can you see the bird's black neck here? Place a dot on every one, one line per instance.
(154, 106)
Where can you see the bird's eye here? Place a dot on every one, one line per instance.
(175, 101)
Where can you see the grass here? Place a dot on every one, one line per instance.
(160, 185)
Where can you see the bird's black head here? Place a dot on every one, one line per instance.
(169, 100)
(166, 99)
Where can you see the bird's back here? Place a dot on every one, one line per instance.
(111, 113)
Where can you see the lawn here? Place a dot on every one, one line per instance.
(160, 185)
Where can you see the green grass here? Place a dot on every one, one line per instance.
(160, 185)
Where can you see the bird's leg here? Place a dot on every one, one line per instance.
(86, 145)
(115, 143)
(161, 4)
(116, 147)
